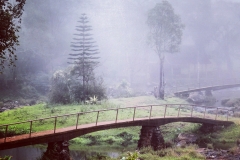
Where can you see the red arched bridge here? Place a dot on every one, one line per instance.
(207, 89)
(150, 115)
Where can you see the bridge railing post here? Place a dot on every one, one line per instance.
(192, 111)
(116, 116)
(227, 114)
(6, 130)
(179, 109)
(30, 130)
(134, 113)
(77, 120)
(150, 115)
(205, 112)
(165, 110)
(97, 117)
(216, 114)
(55, 124)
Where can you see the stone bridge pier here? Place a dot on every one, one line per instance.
(151, 136)
(208, 93)
(57, 151)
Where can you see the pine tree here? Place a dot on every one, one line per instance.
(84, 56)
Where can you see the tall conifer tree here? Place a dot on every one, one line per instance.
(84, 56)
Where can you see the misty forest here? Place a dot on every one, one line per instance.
(119, 79)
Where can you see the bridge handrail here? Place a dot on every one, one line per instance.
(117, 109)
(51, 117)
(205, 88)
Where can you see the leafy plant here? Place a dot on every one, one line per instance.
(6, 158)
(131, 156)
(93, 100)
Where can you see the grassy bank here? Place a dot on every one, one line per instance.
(187, 153)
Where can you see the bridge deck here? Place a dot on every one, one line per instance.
(212, 88)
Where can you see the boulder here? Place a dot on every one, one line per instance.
(187, 137)
(196, 97)
(181, 143)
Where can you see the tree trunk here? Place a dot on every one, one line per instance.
(161, 79)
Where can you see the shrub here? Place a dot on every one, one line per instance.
(123, 89)
(111, 139)
(67, 89)
(234, 150)
(127, 138)
(59, 91)
(236, 114)
(210, 146)
(234, 102)
(131, 156)
(28, 91)
(80, 140)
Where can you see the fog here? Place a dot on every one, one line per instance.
(209, 50)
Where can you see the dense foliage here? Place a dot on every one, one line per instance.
(10, 13)
(67, 89)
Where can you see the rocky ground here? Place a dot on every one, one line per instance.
(11, 104)
(184, 139)
(7, 105)
(220, 154)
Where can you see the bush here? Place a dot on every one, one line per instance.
(123, 89)
(80, 140)
(67, 89)
(131, 156)
(59, 91)
(234, 102)
(110, 139)
(210, 146)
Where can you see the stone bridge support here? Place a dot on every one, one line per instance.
(151, 136)
(57, 151)
(208, 93)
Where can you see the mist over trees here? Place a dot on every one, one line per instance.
(209, 48)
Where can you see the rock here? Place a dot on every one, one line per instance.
(219, 154)
(1, 104)
(181, 143)
(189, 138)
(196, 97)
(200, 98)
(3, 109)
